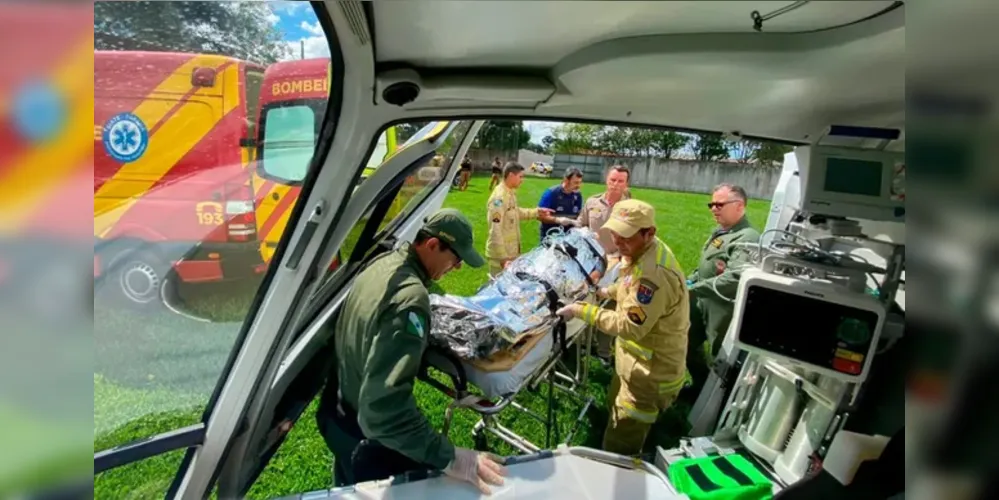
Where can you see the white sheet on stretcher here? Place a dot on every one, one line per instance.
(561, 477)
(495, 384)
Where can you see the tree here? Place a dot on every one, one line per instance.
(742, 151)
(237, 29)
(502, 135)
(576, 138)
(404, 131)
(669, 143)
(771, 153)
(548, 142)
(537, 148)
(621, 141)
(617, 140)
(710, 147)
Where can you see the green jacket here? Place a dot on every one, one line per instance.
(380, 336)
(719, 269)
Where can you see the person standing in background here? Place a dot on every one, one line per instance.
(497, 170)
(717, 275)
(596, 211)
(565, 202)
(503, 242)
(466, 172)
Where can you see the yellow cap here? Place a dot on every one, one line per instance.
(628, 216)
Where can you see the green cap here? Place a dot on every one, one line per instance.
(453, 228)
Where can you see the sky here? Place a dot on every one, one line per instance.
(539, 130)
(298, 23)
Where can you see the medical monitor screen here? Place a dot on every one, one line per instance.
(810, 330)
(853, 176)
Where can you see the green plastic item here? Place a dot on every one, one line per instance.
(729, 477)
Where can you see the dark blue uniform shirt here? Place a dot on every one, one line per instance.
(564, 204)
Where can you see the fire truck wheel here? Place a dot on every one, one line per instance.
(139, 277)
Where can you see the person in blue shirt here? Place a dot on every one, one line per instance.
(564, 200)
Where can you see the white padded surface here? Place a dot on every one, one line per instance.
(562, 477)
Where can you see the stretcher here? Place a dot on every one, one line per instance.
(487, 379)
(564, 473)
(488, 393)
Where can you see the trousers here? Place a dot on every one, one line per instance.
(698, 353)
(357, 459)
(631, 417)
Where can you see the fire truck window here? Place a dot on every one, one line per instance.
(289, 141)
(254, 80)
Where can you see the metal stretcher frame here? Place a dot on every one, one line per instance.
(553, 371)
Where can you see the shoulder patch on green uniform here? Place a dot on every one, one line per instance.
(717, 242)
(414, 324)
(636, 315)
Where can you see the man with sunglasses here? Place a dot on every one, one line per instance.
(367, 413)
(717, 273)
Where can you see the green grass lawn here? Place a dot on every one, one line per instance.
(155, 374)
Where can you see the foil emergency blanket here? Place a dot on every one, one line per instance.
(521, 299)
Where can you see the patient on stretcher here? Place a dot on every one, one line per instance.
(507, 313)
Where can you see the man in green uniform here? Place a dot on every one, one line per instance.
(367, 413)
(717, 275)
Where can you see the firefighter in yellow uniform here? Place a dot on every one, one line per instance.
(650, 323)
(503, 241)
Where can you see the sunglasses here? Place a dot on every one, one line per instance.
(719, 204)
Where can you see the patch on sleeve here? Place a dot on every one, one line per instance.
(498, 202)
(414, 324)
(636, 315)
(646, 289)
(717, 242)
(495, 217)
